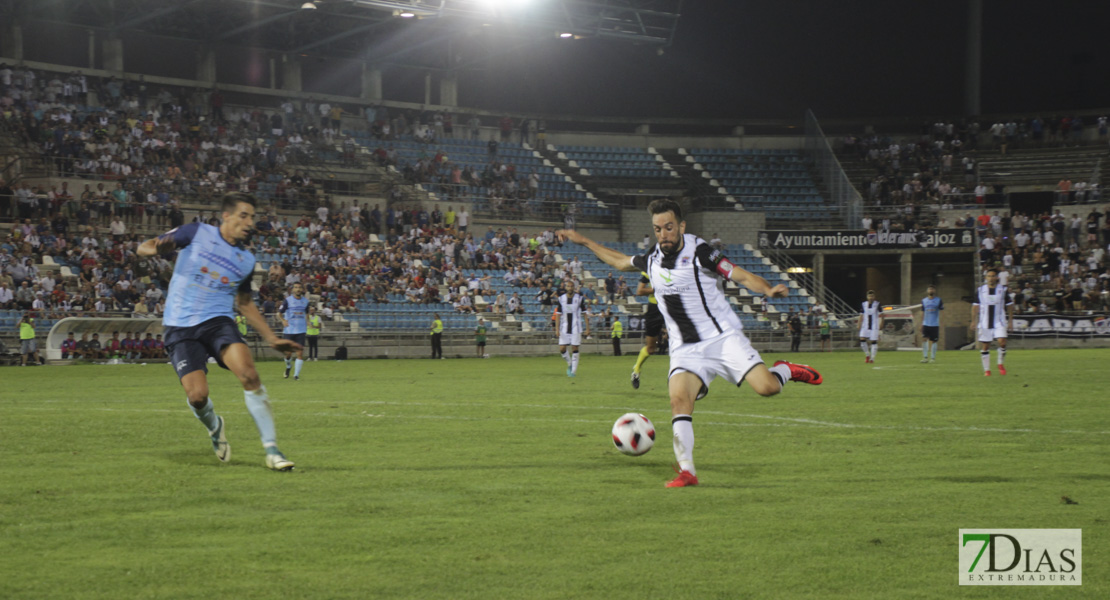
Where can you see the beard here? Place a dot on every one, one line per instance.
(672, 251)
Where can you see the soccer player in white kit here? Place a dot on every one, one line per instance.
(992, 314)
(705, 334)
(870, 322)
(570, 306)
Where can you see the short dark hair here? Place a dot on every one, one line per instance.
(989, 269)
(232, 199)
(663, 205)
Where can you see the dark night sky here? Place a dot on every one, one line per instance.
(743, 58)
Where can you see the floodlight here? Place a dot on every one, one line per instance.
(566, 35)
(408, 14)
(308, 6)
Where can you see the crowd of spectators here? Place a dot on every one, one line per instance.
(936, 169)
(155, 147)
(423, 252)
(1056, 262)
(932, 171)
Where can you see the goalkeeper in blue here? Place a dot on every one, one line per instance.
(211, 281)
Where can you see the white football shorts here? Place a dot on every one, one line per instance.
(989, 334)
(729, 356)
(570, 339)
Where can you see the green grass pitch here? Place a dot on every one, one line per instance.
(496, 478)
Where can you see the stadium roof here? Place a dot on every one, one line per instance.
(415, 33)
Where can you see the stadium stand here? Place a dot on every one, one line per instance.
(616, 162)
(777, 181)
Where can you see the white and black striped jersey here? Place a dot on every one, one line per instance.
(992, 303)
(869, 315)
(693, 306)
(570, 310)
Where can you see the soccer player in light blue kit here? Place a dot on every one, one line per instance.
(211, 280)
(931, 306)
(294, 316)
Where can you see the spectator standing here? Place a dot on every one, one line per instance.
(617, 333)
(437, 337)
(794, 322)
(312, 334)
(464, 220)
(27, 345)
(480, 339)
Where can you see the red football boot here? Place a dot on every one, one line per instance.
(802, 373)
(685, 478)
(1001, 370)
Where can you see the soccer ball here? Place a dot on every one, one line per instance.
(633, 434)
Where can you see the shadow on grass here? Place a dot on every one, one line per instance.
(974, 479)
(1093, 477)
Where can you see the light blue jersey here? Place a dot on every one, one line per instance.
(932, 308)
(295, 312)
(208, 275)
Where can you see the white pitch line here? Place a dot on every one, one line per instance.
(782, 421)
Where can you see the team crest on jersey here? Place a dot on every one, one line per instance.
(684, 261)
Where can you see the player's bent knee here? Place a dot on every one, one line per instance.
(250, 379)
(767, 389)
(763, 382)
(197, 395)
(681, 405)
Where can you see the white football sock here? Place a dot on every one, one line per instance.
(683, 428)
(207, 415)
(863, 346)
(258, 405)
(574, 362)
(986, 356)
(1001, 356)
(874, 350)
(781, 372)
(566, 357)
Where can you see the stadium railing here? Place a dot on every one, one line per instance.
(841, 191)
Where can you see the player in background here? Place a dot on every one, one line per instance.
(870, 322)
(992, 314)
(931, 305)
(653, 326)
(294, 319)
(211, 280)
(706, 336)
(569, 307)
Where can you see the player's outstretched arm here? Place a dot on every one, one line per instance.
(617, 260)
(159, 245)
(757, 284)
(255, 319)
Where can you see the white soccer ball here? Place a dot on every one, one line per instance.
(633, 434)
